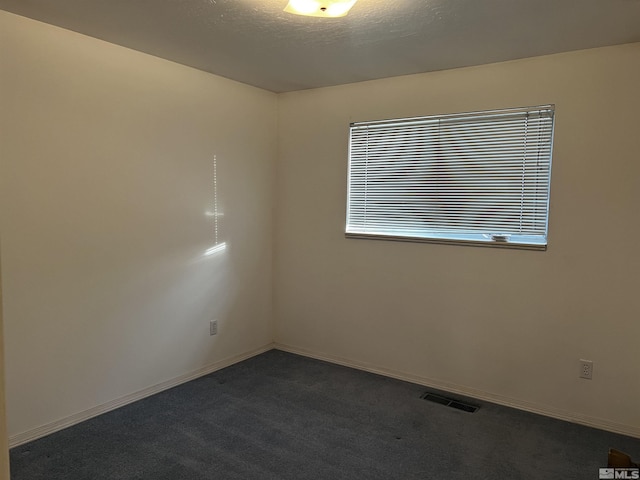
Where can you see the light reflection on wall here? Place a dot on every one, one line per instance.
(215, 249)
(215, 214)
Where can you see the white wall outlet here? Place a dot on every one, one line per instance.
(586, 369)
(213, 327)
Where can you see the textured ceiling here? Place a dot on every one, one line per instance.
(255, 42)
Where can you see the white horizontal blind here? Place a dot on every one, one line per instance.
(479, 177)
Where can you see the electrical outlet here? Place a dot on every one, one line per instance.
(586, 369)
(213, 327)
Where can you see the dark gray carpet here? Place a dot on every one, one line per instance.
(282, 416)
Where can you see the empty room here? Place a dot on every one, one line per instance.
(308, 239)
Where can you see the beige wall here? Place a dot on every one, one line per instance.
(107, 175)
(506, 325)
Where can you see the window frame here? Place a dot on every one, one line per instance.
(423, 235)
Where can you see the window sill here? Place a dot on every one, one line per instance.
(468, 240)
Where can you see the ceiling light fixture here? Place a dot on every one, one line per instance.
(320, 8)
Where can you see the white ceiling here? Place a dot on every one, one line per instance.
(255, 42)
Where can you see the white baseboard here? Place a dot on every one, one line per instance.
(49, 428)
(545, 410)
(76, 418)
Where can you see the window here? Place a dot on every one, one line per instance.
(480, 178)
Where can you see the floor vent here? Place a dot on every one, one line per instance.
(449, 402)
